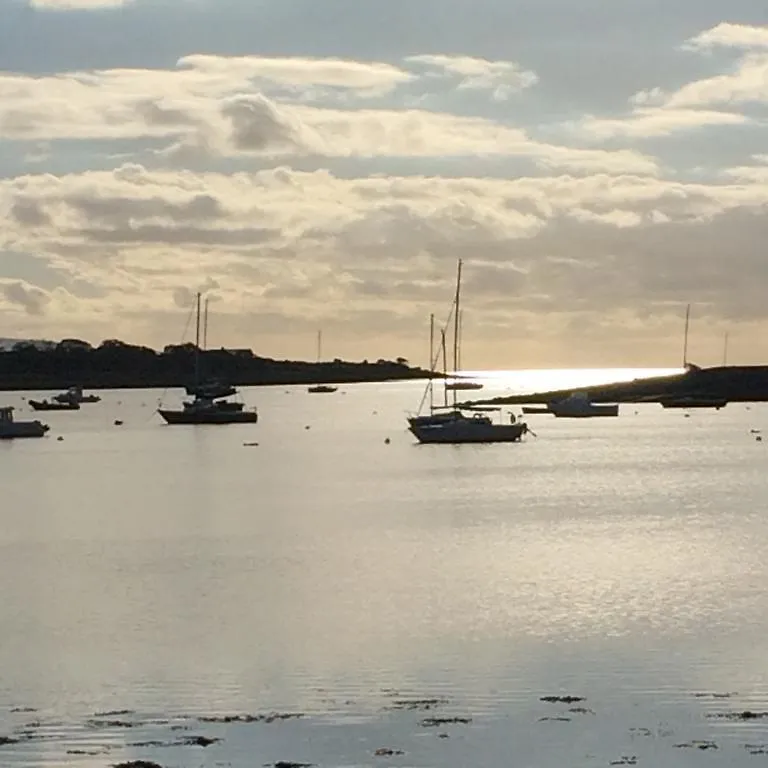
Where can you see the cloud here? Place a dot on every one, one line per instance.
(314, 248)
(367, 78)
(656, 112)
(31, 299)
(728, 35)
(502, 78)
(644, 122)
(747, 83)
(208, 110)
(304, 191)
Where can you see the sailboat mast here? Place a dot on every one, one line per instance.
(461, 333)
(197, 338)
(725, 350)
(431, 362)
(445, 366)
(685, 338)
(205, 325)
(456, 326)
(319, 345)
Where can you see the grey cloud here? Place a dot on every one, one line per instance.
(258, 126)
(30, 213)
(118, 211)
(154, 112)
(32, 299)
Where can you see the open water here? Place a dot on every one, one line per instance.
(325, 595)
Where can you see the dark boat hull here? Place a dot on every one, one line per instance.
(37, 405)
(23, 429)
(694, 402)
(213, 417)
(458, 433)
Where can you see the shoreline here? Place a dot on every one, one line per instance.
(746, 384)
(116, 365)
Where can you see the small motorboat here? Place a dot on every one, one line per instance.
(53, 405)
(10, 429)
(75, 395)
(321, 388)
(463, 385)
(578, 406)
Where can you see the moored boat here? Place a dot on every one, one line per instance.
(10, 428)
(53, 405)
(75, 395)
(322, 388)
(579, 406)
(455, 425)
(209, 404)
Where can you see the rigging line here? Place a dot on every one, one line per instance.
(181, 341)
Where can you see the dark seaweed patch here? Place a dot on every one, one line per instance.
(562, 699)
(697, 744)
(434, 722)
(417, 704)
(745, 715)
(269, 718)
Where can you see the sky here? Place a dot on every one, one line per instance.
(323, 165)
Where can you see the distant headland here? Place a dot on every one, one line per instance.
(716, 386)
(113, 364)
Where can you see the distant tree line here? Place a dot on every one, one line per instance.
(115, 364)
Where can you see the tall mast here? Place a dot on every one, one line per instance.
(456, 326)
(461, 334)
(319, 345)
(685, 338)
(725, 349)
(205, 325)
(431, 362)
(197, 337)
(445, 365)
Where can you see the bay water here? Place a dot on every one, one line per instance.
(317, 588)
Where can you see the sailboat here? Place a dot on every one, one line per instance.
(455, 426)
(321, 388)
(209, 388)
(691, 400)
(460, 383)
(209, 404)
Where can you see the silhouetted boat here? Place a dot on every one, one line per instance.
(208, 405)
(531, 409)
(455, 426)
(75, 395)
(463, 385)
(474, 428)
(579, 406)
(207, 411)
(10, 428)
(693, 401)
(53, 405)
(321, 388)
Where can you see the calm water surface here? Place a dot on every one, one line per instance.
(176, 576)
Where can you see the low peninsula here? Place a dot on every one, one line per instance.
(116, 365)
(733, 383)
